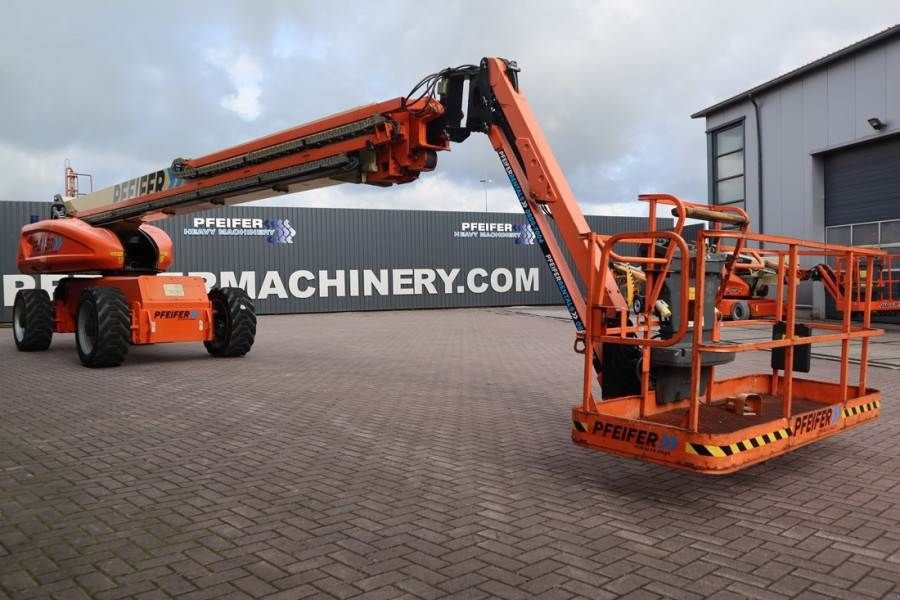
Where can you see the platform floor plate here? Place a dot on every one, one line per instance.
(717, 418)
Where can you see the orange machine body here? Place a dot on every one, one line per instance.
(164, 308)
(67, 246)
(73, 246)
(739, 291)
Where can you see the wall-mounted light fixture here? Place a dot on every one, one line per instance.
(877, 124)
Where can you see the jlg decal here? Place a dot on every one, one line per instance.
(45, 243)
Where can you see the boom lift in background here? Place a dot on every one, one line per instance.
(852, 278)
(649, 389)
(747, 289)
(747, 296)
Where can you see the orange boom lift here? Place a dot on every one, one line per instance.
(649, 390)
(746, 293)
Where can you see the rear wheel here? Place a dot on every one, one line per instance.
(102, 327)
(32, 320)
(740, 311)
(234, 322)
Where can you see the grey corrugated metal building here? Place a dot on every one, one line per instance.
(320, 260)
(815, 153)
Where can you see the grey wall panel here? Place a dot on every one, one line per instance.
(332, 244)
(795, 204)
(815, 110)
(771, 117)
(815, 135)
(841, 96)
(869, 88)
(892, 83)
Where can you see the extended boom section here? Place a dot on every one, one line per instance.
(379, 144)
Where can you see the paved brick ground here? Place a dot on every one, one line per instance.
(411, 454)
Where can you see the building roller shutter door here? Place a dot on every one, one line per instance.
(862, 183)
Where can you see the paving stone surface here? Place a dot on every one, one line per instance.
(420, 454)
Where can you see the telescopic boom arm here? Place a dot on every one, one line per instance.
(496, 107)
(378, 144)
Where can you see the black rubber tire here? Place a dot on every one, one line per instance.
(102, 327)
(740, 311)
(234, 322)
(32, 320)
(637, 304)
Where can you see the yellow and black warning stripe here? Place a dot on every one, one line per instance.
(860, 408)
(579, 426)
(741, 446)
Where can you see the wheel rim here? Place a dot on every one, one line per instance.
(87, 328)
(19, 321)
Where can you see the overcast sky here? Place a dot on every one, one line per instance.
(122, 88)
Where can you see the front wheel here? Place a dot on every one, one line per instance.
(32, 320)
(102, 327)
(234, 322)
